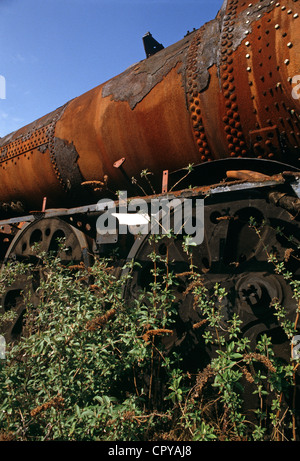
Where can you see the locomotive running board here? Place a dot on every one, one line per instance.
(203, 191)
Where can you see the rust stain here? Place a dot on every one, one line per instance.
(138, 80)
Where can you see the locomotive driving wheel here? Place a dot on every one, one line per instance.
(49, 235)
(240, 237)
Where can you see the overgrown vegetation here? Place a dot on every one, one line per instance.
(91, 367)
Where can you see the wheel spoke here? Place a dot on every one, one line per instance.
(235, 255)
(46, 233)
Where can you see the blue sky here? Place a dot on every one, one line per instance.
(54, 50)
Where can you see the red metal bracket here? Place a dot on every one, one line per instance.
(119, 162)
(165, 181)
(44, 204)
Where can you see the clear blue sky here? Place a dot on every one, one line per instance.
(54, 50)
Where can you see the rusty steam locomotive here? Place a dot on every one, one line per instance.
(224, 98)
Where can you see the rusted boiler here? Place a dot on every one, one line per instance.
(223, 91)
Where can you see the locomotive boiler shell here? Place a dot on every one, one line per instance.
(224, 90)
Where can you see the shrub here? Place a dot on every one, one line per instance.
(92, 367)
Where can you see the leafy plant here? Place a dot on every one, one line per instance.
(92, 367)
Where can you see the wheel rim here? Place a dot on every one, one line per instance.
(46, 234)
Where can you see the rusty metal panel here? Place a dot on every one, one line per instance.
(265, 142)
(224, 90)
(27, 143)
